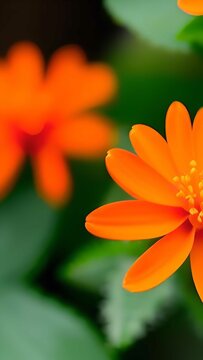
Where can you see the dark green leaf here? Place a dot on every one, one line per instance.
(193, 32)
(26, 228)
(35, 328)
(127, 315)
(156, 20)
(150, 80)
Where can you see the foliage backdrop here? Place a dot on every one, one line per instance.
(60, 288)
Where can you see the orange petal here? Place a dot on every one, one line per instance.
(140, 180)
(134, 220)
(11, 161)
(26, 102)
(5, 89)
(77, 85)
(87, 136)
(193, 7)
(26, 65)
(153, 149)
(198, 138)
(179, 136)
(196, 259)
(161, 260)
(63, 62)
(52, 176)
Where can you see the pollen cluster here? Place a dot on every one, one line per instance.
(190, 189)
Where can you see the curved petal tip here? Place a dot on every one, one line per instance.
(191, 7)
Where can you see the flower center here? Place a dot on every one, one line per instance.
(190, 189)
(32, 143)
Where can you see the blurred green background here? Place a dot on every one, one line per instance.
(60, 288)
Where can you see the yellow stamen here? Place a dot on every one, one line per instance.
(187, 178)
(191, 201)
(180, 194)
(200, 216)
(193, 163)
(182, 178)
(190, 196)
(200, 185)
(176, 179)
(193, 211)
(193, 170)
(190, 188)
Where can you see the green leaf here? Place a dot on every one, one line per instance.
(90, 266)
(156, 20)
(35, 328)
(193, 32)
(127, 315)
(190, 298)
(26, 228)
(194, 310)
(150, 79)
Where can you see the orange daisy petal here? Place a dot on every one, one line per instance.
(179, 136)
(161, 260)
(52, 176)
(11, 160)
(196, 257)
(134, 220)
(153, 149)
(193, 7)
(5, 91)
(63, 62)
(86, 136)
(140, 180)
(198, 137)
(76, 84)
(26, 103)
(26, 65)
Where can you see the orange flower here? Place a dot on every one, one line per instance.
(46, 116)
(167, 180)
(193, 7)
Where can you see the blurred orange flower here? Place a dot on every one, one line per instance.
(167, 180)
(46, 115)
(193, 7)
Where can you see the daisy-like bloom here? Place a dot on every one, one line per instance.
(45, 116)
(166, 178)
(193, 7)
